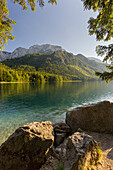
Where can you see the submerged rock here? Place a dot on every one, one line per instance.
(27, 148)
(82, 152)
(96, 117)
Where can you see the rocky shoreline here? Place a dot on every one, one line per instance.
(68, 145)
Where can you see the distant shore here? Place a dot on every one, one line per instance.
(68, 81)
(13, 82)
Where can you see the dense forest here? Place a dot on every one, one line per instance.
(25, 74)
(57, 66)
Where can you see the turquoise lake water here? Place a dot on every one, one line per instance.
(21, 103)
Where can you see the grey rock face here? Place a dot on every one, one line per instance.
(28, 147)
(96, 117)
(4, 55)
(82, 152)
(46, 48)
(19, 52)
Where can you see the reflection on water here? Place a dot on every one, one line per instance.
(22, 103)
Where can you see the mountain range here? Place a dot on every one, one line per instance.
(96, 59)
(19, 52)
(53, 60)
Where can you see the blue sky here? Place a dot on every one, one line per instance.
(63, 24)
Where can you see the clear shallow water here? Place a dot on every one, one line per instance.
(21, 103)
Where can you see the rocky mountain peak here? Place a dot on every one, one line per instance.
(19, 52)
(4, 55)
(45, 48)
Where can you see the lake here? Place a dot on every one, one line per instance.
(21, 103)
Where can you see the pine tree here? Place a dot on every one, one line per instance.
(102, 27)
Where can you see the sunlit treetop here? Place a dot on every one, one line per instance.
(106, 51)
(33, 3)
(102, 25)
(5, 24)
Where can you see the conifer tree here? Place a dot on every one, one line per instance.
(102, 27)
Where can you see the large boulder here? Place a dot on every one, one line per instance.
(97, 117)
(82, 152)
(27, 148)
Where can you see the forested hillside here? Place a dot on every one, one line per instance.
(25, 75)
(61, 63)
(96, 65)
